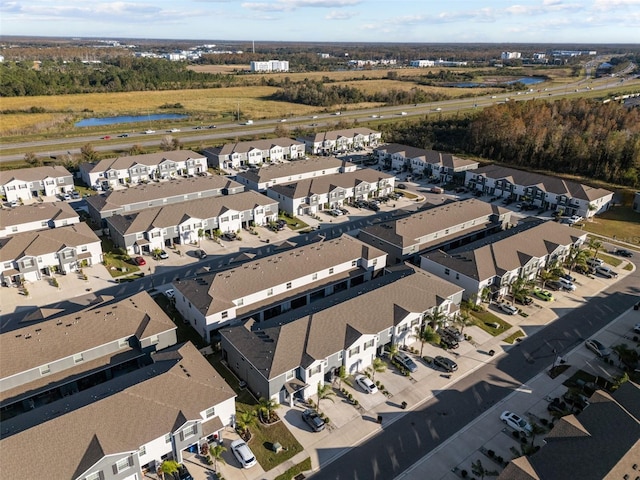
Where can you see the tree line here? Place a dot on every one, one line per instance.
(579, 137)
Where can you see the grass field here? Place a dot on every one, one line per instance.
(621, 223)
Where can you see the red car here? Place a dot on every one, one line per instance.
(106, 137)
(140, 261)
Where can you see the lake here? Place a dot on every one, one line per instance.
(97, 122)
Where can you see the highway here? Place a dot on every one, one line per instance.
(61, 146)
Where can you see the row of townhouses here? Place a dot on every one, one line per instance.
(340, 141)
(255, 152)
(30, 255)
(27, 183)
(439, 166)
(36, 217)
(550, 193)
(113, 391)
(132, 169)
(188, 222)
(305, 197)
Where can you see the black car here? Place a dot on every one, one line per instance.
(183, 473)
(448, 341)
(402, 186)
(373, 206)
(623, 253)
(313, 419)
(554, 285)
(524, 300)
(445, 363)
(229, 236)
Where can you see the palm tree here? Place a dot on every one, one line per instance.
(555, 268)
(200, 235)
(216, 452)
(156, 252)
(463, 319)
(545, 276)
(267, 407)
(426, 334)
(577, 256)
(244, 420)
(393, 351)
(520, 288)
(436, 317)
(325, 392)
(377, 366)
(342, 376)
(169, 467)
(595, 245)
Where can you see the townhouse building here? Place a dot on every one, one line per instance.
(38, 216)
(111, 390)
(287, 358)
(439, 166)
(269, 66)
(488, 267)
(277, 283)
(309, 196)
(188, 222)
(254, 152)
(339, 141)
(550, 193)
(30, 255)
(158, 194)
(444, 227)
(132, 169)
(268, 175)
(37, 182)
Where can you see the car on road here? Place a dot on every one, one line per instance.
(123, 135)
(140, 261)
(445, 363)
(173, 130)
(598, 348)
(622, 252)
(402, 186)
(243, 453)
(283, 120)
(406, 361)
(149, 132)
(508, 308)
(313, 419)
(366, 384)
(516, 422)
(606, 272)
(211, 126)
(438, 109)
(543, 294)
(163, 255)
(106, 137)
(201, 254)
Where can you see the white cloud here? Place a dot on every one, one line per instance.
(290, 5)
(336, 15)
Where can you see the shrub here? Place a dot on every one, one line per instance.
(491, 453)
(381, 386)
(544, 422)
(378, 383)
(326, 420)
(464, 474)
(499, 459)
(515, 434)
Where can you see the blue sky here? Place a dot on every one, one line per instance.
(540, 21)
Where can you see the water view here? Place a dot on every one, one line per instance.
(98, 122)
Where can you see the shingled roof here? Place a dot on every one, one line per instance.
(35, 213)
(149, 159)
(268, 173)
(33, 174)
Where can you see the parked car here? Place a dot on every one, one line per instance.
(636, 328)
(445, 363)
(623, 252)
(567, 284)
(170, 294)
(572, 220)
(402, 186)
(554, 285)
(75, 195)
(243, 453)
(66, 197)
(140, 261)
(568, 277)
(543, 294)
(594, 262)
(606, 272)
(516, 422)
(313, 419)
(183, 473)
(163, 255)
(366, 384)
(406, 361)
(524, 300)
(373, 206)
(454, 332)
(598, 348)
(230, 236)
(448, 340)
(201, 254)
(508, 308)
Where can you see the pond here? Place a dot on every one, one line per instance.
(98, 122)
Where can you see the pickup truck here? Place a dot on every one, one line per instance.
(249, 122)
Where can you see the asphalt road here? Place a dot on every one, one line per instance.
(404, 442)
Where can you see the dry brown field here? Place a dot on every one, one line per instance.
(218, 68)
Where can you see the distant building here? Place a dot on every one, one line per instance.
(422, 63)
(254, 152)
(339, 141)
(270, 66)
(26, 183)
(510, 55)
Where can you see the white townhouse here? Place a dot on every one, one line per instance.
(254, 153)
(111, 389)
(268, 175)
(418, 161)
(492, 264)
(132, 169)
(269, 66)
(158, 194)
(443, 227)
(338, 141)
(38, 216)
(37, 182)
(30, 255)
(188, 222)
(271, 285)
(309, 196)
(287, 359)
(551, 193)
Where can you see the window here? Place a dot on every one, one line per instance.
(122, 465)
(369, 344)
(240, 302)
(142, 451)
(375, 262)
(167, 438)
(354, 263)
(354, 351)
(14, 229)
(210, 412)
(288, 285)
(155, 339)
(78, 357)
(315, 370)
(340, 355)
(314, 276)
(224, 315)
(94, 476)
(45, 370)
(27, 262)
(123, 343)
(270, 292)
(415, 322)
(331, 271)
(235, 217)
(289, 375)
(44, 224)
(447, 271)
(83, 249)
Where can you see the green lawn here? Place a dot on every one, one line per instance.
(482, 319)
(512, 338)
(303, 466)
(621, 223)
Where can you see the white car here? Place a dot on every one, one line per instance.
(516, 422)
(243, 453)
(572, 220)
(170, 294)
(508, 309)
(366, 384)
(567, 284)
(149, 132)
(174, 130)
(283, 120)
